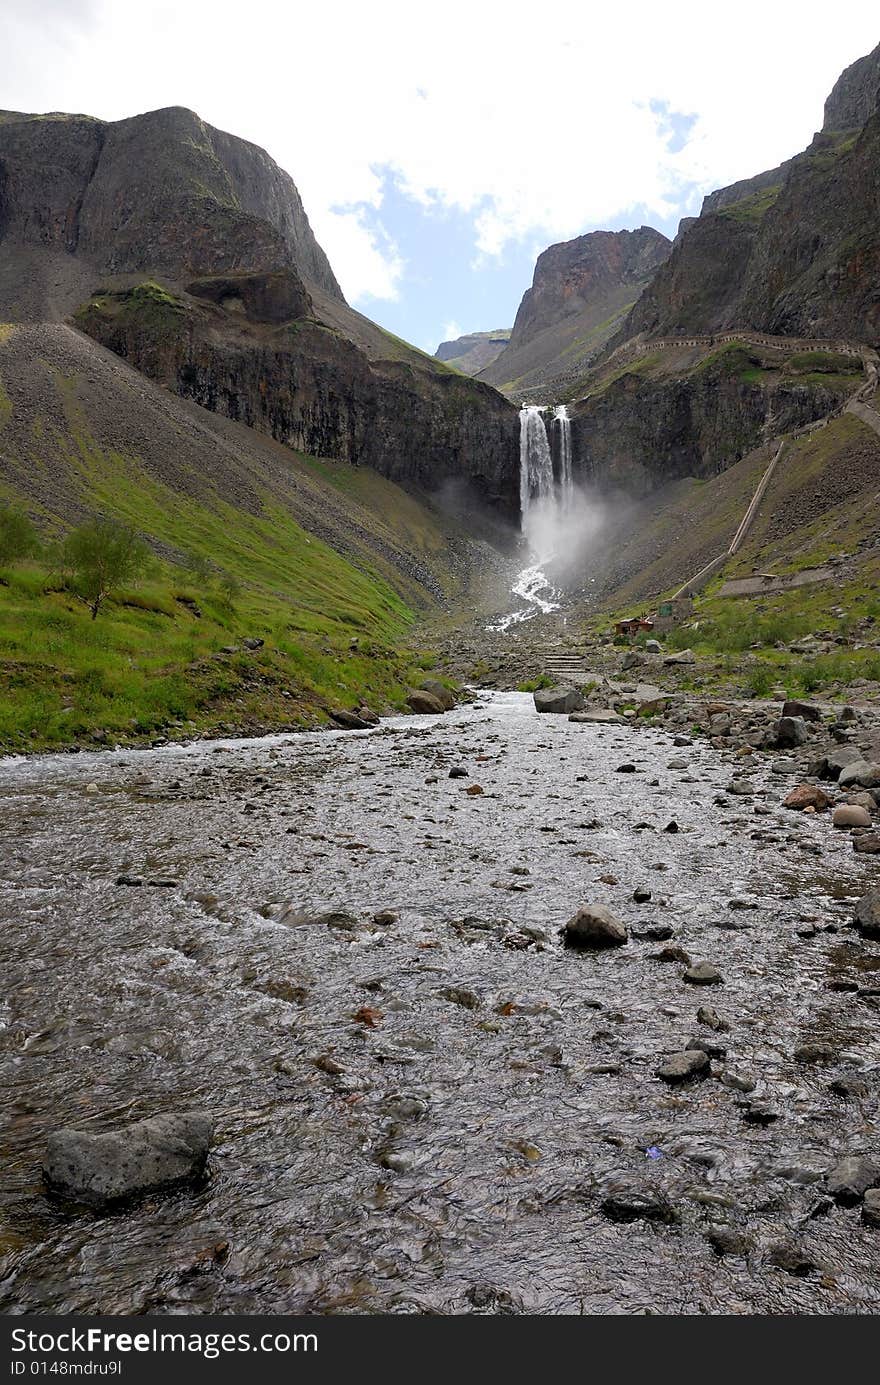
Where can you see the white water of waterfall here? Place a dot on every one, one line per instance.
(566, 479)
(535, 461)
(543, 502)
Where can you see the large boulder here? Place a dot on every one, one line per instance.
(595, 927)
(153, 1155)
(683, 658)
(349, 721)
(805, 710)
(424, 703)
(559, 699)
(440, 691)
(861, 772)
(791, 732)
(832, 764)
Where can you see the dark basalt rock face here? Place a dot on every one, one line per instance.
(163, 192)
(312, 389)
(641, 433)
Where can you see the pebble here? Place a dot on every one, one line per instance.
(703, 974)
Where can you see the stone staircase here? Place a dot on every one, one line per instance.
(565, 666)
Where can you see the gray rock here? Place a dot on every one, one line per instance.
(595, 927)
(560, 699)
(867, 843)
(862, 772)
(625, 1202)
(444, 696)
(805, 710)
(741, 787)
(424, 703)
(738, 1081)
(832, 764)
(150, 1156)
(684, 1067)
(349, 721)
(598, 716)
(703, 974)
(867, 915)
(791, 732)
(792, 1257)
(683, 657)
(850, 815)
(850, 1179)
(707, 1046)
(724, 1240)
(653, 647)
(871, 1207)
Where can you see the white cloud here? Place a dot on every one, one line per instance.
(452, 331)
(366, 262)
(538, 128)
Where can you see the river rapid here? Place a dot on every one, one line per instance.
(423, 1100)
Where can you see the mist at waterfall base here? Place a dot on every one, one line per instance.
(561, 521)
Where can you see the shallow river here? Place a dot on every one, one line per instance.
(424, 1113)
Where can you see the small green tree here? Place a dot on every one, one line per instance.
(101, 556)
(18, 537)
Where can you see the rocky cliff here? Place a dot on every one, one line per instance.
(238, 347)
(855, 94)
(474, 351)
(649, 426)
(795, 250)
(163, 192)
(581, 289)
(212, 282)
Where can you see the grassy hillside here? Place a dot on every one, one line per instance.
(323, 562)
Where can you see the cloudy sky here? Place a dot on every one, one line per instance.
(439, 148)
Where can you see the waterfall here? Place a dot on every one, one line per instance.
(566, 481)
(535, 459)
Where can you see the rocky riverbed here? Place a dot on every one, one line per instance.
(344, 953)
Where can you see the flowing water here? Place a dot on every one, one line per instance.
(421, 1114)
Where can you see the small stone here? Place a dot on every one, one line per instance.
(867, 914)
(867, 843)
(725, 1241)
(791, 1257)
(849, 1086)
(626, 769)
(815, 1053)
(626, 1202)
(683, 1067)
(871, 1208)
(703, 974)
(641, 895)
(706, 1015)
(458, 772)
(594, 926)
(850, 1179)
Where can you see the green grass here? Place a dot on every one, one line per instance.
(754, 208)
(147, 661)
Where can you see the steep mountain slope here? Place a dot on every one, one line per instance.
(793, 251)
(249, 539)
(473, 352)
(580, 291)
(199, 243)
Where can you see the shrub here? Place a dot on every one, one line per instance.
(101, 556)
(18, 537)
